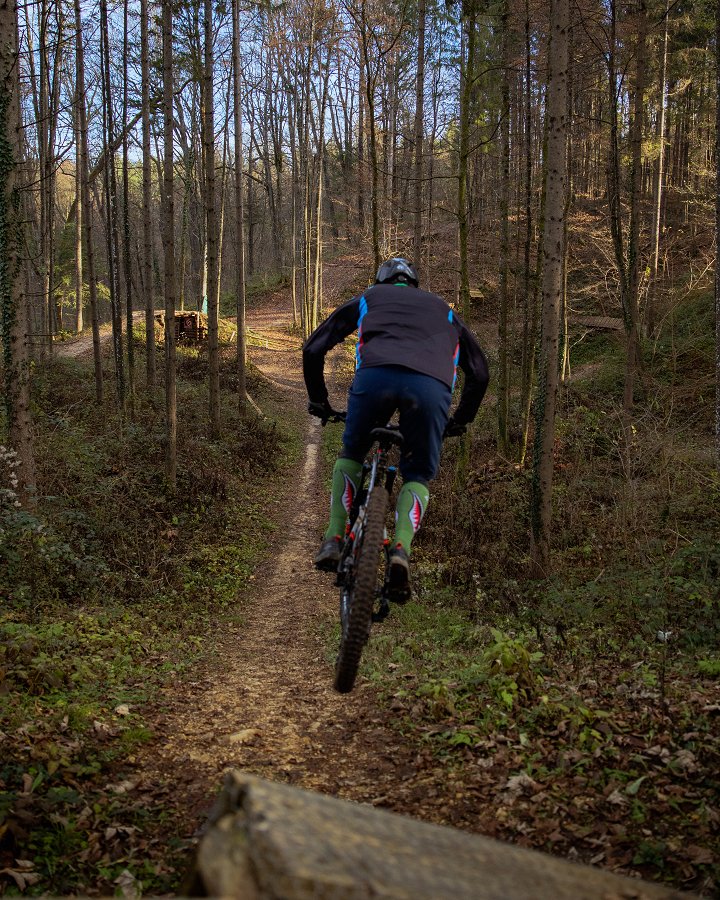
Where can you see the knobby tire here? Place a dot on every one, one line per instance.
(364, 589)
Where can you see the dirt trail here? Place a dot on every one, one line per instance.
(269, 707)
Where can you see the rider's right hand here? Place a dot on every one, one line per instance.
(321, 410)
(453, 428)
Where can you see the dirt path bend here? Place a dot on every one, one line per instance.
(269, 707)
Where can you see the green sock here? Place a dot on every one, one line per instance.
(345, 482)
(409, 510)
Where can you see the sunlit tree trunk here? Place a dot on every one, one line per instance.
(239, 212)
(542, 481)
(78, 214)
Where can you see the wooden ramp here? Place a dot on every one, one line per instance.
(268, 840)
(604, 323)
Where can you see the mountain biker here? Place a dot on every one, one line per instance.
(410, 343)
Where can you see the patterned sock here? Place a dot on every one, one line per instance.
(409, 510)
(345, 482)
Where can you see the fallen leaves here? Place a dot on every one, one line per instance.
(22, 873)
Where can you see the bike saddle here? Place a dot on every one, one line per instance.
(387, 436)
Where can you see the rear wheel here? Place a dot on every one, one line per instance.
(359, 594)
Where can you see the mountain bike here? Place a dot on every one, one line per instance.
(364, 589)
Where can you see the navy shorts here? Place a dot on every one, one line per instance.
(423, 403)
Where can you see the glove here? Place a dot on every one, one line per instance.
(453, 429)
(322, 410)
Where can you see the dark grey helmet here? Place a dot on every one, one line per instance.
(397, 269)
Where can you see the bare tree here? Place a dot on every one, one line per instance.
(556, 174)
(111, 211)
(211, 221)
(85, 205)
(239, 212)
(146, 267)
(169, 248)
(418, 131)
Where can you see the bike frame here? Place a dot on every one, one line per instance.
(379, 475)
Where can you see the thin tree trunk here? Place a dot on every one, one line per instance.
(149, 305)
(503, 405)
(86, 206)
(467, 77)
(169, 248)
(78, 218)
(528, 349)
(111, 206)
(361, 141)
(239, 212)
(658, 185)
(211, 225)
(127, 272)
(419, 129)
(541, 489)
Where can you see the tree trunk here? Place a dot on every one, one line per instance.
(85, 204)
(111, 206)
(149, 305)
(419, 129)
(632, 311)
(127, 271)
(169, 248)
(717, 235)
(239, 212)
(541, 489)
(467, 78)
(528, 343)
(211, 225)
(78, 217)
(13, 299)
(503, 390)
(658, 184)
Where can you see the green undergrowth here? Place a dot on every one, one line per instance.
(112, 589)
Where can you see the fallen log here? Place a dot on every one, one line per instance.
(267, 840)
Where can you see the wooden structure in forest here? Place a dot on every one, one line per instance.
(603, 323)
(190, 327)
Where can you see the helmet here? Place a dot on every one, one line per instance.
(397, 269)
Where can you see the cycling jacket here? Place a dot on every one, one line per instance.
(400, 325)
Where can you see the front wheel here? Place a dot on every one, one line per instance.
(358, 595)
